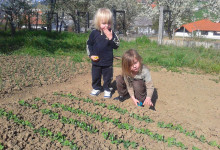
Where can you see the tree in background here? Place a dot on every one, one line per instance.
(131, 7)
(183, 11)
(177, 12)
(213, 10)
(14, 11)
(71, 7)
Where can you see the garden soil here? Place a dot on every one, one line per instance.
(190, 100)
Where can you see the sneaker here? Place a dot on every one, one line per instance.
(122, 98)
(107, 94)
(111, 89)
(95, 92)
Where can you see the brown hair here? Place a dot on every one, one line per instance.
(128, 61)
(102, 14)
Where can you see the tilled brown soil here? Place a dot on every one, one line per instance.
(185, 99)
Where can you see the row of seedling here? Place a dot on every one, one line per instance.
(110, 107)
(42, 130)
(144, 118)
(83, 125)
(171, 141)
(120, 125)
(114, 140)
(187, 133)
(62, 119)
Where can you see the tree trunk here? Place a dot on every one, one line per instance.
(61, 23)
(29, 21)
(12, 27)
(74, 22)
(57, 23)
(49, 28)
(6, 24)
(37, 21)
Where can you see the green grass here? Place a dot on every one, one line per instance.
(172, 57)
(42, 43)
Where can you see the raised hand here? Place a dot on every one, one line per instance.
(108, 33)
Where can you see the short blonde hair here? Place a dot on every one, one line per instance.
(102, 15)
(128, 60)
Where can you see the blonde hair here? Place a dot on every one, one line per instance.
(102, 15)
(128, 60)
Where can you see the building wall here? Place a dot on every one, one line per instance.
(198, 34)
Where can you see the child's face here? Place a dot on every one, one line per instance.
(136, 66)
(105, 25)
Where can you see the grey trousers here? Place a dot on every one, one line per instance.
(139, 88)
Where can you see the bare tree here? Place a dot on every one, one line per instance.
(73, 9)
(14, 9)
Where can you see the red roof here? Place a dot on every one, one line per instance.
(153, 5)
(202, 25)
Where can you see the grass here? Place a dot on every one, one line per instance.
(44, 44)
(172, 57)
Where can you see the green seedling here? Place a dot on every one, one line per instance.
(1, 146)
(195, 148)
(213, 143)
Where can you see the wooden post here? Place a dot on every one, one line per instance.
(114, 19)
(78, 24)
(160, 32)
(87, 14)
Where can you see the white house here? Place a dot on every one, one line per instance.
(202, 28)
(143, 25)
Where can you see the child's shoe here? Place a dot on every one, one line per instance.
(122, 98)
(95, 92)
(107, 94)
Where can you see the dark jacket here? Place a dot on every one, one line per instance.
(99, 45)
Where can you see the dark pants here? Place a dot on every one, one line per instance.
(139, 88)
(97, 73)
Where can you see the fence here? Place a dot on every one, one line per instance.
(213, 45)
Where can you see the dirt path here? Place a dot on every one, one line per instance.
(191, 100)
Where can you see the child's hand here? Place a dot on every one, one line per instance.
(108, 33)
(94, 58)
(148, 102)
(135, 101)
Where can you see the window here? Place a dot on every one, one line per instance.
(204, 32)
(216, 33)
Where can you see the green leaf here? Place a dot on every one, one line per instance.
(126, 144)
(213, 143)
(105, 135)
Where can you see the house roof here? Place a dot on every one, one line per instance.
(202, 25)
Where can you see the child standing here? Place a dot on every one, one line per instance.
(135, 80)
(100, 47)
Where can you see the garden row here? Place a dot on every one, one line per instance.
(55, 113)
(155, 136)
(147, 119)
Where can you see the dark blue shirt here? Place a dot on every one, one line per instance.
(99, 45)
